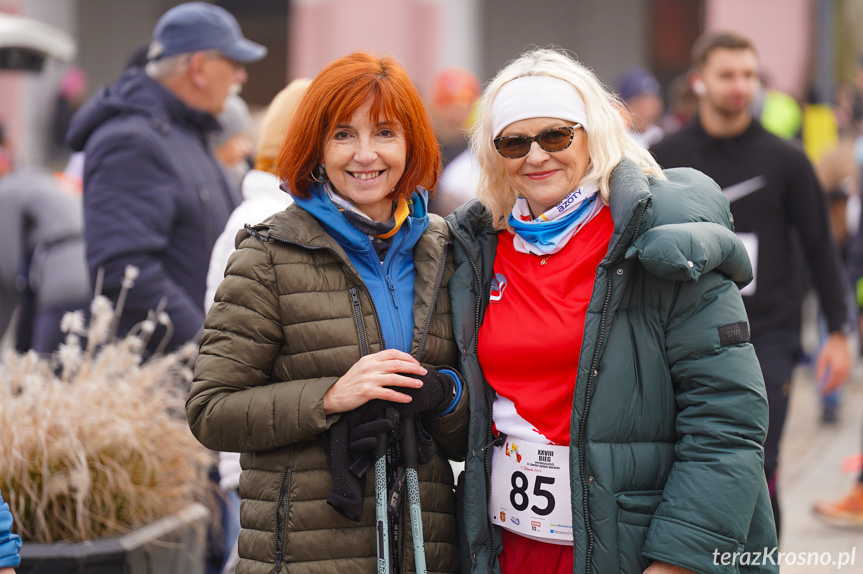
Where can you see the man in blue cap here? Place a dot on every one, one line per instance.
(640, 90)
(155, 197)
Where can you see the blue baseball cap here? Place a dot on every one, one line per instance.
(197, 26)
(637, 82)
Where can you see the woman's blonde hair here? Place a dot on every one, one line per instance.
(607, 138)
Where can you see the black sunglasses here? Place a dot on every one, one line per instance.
(554, 139)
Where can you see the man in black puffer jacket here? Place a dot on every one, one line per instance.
(154, 194)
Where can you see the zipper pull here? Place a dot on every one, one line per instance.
(354, 298)
(498, 441)
(392, 287)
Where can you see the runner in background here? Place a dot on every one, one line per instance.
(779, 211)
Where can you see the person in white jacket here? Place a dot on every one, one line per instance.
(262, 197)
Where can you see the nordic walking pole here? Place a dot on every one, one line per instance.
(381, 523)
(409, 451)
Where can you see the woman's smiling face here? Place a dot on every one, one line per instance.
(364, 158)
(544, 178)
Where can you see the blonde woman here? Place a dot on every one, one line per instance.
(617, 408)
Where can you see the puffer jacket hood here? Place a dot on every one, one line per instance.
(684, 235)
(135, 93)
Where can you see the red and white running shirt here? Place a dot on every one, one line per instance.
(530, 339)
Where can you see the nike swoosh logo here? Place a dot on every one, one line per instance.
(744, 188)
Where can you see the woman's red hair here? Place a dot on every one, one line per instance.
(333, 96)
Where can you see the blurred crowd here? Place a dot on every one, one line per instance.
(197, 163)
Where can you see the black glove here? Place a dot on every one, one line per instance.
(377, 420)
(425, 444)
(434, 396)
(350, 445)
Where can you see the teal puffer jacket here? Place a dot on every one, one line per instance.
(670, 411)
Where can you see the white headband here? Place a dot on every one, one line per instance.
(536, 97)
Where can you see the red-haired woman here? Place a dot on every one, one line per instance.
(333, 325)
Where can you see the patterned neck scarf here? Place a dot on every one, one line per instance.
(551, 231)
(380, 234)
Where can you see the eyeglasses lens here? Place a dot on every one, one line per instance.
(555, 140)
(518, 146)
(513, 147)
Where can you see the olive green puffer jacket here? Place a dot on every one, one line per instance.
(670, 412)
(286, 325)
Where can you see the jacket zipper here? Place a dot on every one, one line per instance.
(359, 318)
(282, 518)
(582, 425)
(435, 293)
(489, 401)
(392, 287)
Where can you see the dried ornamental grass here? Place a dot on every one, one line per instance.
(94, 441)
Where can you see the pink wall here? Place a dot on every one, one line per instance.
(780, 30)
(323, 30)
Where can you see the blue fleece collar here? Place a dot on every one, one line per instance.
(349, 237)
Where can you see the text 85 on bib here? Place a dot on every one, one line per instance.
(530, 490)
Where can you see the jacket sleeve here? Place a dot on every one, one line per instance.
(129, 210)
(807, 209)
(710, 496)
(233, 403)
(10, 544)
(450, 430)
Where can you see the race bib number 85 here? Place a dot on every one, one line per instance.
(530, 490)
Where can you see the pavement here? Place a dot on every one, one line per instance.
(811, 463)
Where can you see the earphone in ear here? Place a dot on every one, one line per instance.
(699, 88)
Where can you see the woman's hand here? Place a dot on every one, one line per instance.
(664, 568)
(7, 571)
(368, 378)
